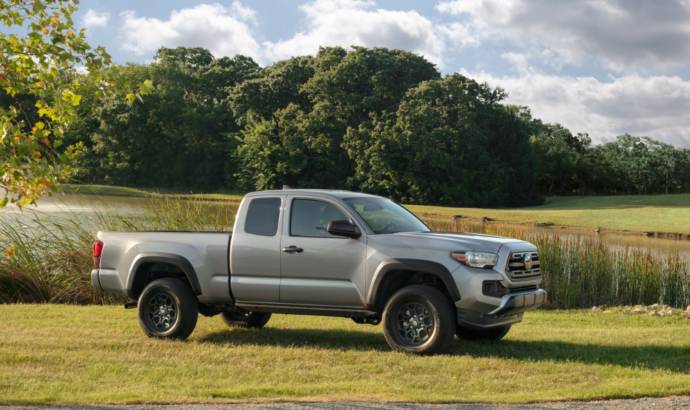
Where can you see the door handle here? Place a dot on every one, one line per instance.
(292, 249)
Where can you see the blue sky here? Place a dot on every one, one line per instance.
(601, 67)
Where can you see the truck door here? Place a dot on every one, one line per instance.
(255, 251)
(318, 268)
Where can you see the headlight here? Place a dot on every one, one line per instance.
(475, 259)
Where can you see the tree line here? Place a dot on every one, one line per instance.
(371, 119)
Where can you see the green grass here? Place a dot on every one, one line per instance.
(112, 190)
(97, 354)
(656, 213)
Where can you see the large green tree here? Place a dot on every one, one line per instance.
(180, 135)
(451, 142)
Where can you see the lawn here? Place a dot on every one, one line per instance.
(658, 213)
(97, 354)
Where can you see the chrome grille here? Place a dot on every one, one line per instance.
(523, 264)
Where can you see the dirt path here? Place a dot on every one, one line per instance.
(675, 402)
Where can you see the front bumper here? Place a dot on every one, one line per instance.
(520, 302)
(509, 310)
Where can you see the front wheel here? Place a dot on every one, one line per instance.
(168, 309)
(493, 333)
(246, 319)
(419, 319)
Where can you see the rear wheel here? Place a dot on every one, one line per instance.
(419, 319)
(168, 309)
(492, 333)
(246, 319)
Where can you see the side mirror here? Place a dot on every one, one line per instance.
(344, 228)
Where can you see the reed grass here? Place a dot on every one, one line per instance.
(584, 270)
(47, 259)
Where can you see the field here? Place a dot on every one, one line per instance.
(97, 354)
(655, 213)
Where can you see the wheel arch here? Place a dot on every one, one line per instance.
(142, 270)
(392, 274)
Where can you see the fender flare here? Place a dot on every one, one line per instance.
(155, 257)
(389, 266)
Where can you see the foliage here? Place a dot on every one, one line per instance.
(581, 270)
(375, 120)
(40, 52)
(178, 136)
(451, 143)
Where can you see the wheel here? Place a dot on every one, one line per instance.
(247, 319)
(493, 333)
(419, 319)
(168, 309)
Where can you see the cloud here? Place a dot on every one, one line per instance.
(358, 22)
(654, 106)
(92, 19)
(623, 35)
(225, 31)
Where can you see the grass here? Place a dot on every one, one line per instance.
(47, 262)
(643, 213)
(112, 190)
(97, 354)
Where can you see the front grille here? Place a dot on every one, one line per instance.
(523, 264)
(495, 289)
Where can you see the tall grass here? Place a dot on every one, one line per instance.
(47, 259)
(583, 270)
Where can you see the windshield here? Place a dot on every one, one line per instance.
(385, 216)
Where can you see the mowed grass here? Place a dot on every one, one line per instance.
(655, 213)
(97, 354)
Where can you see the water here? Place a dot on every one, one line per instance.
(60, 206)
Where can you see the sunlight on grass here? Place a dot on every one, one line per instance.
(97, 354)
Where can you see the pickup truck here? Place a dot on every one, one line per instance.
(324, 252)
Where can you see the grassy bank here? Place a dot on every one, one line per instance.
(97, 354)
(45, 261)
(644, 213)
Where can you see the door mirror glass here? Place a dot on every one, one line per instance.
(344, 228)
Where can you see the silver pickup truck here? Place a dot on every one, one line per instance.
(321, 252)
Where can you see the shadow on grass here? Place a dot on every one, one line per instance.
(652, 357)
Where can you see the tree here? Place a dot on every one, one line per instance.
(449, 142)
(180, 136)
(40, 54)
(561, 160)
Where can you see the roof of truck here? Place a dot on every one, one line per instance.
(325, 192)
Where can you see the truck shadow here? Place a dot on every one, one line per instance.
(651, 357)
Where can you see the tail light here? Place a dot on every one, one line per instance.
(97, 251)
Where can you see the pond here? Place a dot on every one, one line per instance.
(61, 205)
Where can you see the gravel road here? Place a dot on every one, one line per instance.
(675, 402)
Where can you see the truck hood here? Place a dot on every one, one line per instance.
(468, 241)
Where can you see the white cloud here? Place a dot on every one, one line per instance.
(359, 23)
(655, 106)
(93, 19)
(624, 35)
(225, 31)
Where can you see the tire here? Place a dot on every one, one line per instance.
(419, 319)
(493, 333)
(255, 320)
(168, 309)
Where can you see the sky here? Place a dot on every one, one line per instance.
(600, 67)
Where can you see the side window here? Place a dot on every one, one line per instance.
(262, 216)
(310, 217)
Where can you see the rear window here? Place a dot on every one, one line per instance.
(262, 216)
